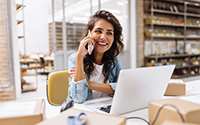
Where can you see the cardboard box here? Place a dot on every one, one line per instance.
(188, 106)
(176, 87)
(26, 112)
(93, 118)
(176, 123)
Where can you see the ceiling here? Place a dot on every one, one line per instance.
(80, 11)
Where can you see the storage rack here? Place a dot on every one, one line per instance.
(26, 64)
(73, 32)
(183, 18)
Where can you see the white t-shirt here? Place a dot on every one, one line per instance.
(98, 77)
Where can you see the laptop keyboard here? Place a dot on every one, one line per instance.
(106, 108)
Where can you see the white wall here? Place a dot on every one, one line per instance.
(36, 26)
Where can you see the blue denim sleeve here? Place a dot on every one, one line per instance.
(78, 90)
(116, 71)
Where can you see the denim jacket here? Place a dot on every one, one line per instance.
(78, 91)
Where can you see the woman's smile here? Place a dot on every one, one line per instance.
(102, 43)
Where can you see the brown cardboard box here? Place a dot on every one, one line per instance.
(176, 123)
(189, 110)
(176, 87)
(93, 118)
(26, 112)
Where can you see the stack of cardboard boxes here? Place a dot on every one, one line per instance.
(183, 110)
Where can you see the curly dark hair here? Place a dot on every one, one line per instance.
(115, 49)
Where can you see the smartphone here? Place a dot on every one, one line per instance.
(89, 47)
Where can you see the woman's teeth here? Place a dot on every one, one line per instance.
(103, 44)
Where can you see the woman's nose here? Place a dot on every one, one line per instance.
(103, 36)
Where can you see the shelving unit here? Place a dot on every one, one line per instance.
(172, 35)
(19, 21)
(73, 32)
(186, 65)
(28, 67)
(18, 6)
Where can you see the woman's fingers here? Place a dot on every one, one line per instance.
(72, 70)
(71, 76)
(71, 73)
(88, 40)
(82, 47)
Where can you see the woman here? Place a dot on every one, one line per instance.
(95, 75)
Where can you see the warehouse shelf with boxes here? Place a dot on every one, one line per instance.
(172, 35)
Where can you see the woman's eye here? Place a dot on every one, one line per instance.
(109, 33)
(98, 31)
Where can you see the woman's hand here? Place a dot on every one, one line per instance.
(71, 74)
(105, 88)
(82, 51)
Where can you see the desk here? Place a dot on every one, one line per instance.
(192, 87)
(59, 119)
(140, 113)
(143, 113)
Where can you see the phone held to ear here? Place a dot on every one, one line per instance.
(90, 47)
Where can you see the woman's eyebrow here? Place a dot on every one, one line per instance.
(99, 28)
(110, 30)
(107, 29)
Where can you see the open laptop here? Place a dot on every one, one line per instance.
(135, 88)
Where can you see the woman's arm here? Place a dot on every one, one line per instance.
(105, 88)
(78, 91)
(79, 68)
(82, 51)
(78, 87)
(110, 87)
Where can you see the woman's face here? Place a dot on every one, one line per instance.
(103, 35)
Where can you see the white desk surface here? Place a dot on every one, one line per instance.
(191, 88)
(140, 113)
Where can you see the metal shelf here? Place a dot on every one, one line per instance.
(18, 6)
(172, 25)
(19, 21)
(174, 13)
(19, 37)
(167, 56)
(173, 37)
(167, 12)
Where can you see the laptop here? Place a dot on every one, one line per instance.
(135, 88)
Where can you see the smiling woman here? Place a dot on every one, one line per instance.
(95, 75)
(102, 34)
